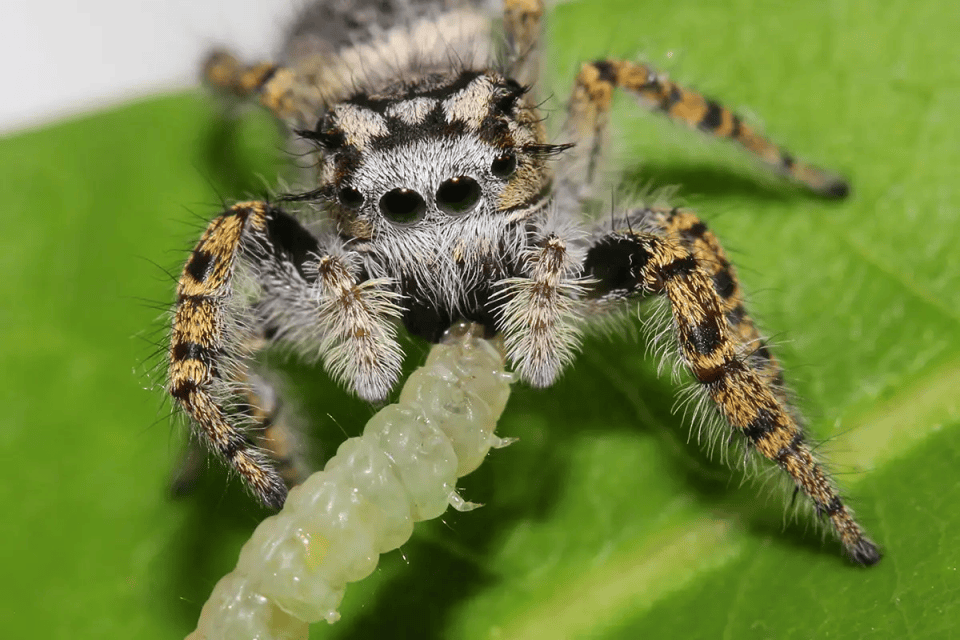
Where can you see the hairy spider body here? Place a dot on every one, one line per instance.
(437, 197)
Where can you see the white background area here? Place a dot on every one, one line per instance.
(64, 58)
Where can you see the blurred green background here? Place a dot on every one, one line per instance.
(602, 521)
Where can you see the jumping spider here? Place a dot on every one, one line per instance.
(439, 197)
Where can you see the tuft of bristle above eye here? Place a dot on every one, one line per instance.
(330, 139)
(322, 193)
(546, 150)
(507, 103)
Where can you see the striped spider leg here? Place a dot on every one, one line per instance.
(256, 262)
(433, 180)
(671, 253)
(589, 108)
(626, 262)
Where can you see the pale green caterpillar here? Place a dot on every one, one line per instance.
(333, 527)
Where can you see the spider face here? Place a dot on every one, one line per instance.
(434, 183)
(464, 144)
(434, 203)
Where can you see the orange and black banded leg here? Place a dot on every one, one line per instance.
(277, 88)
(522, 25)
(627, 263)
(593, 94)
(685, 227)
(268, 424)
(209, 343)
(272, 425)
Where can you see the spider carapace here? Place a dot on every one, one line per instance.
(435, 194)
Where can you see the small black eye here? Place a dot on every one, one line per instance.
(351, 198)
(403, 206)
(458, 195)
(504, 166)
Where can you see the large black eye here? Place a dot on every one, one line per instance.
(458, 195)
(351, 198)
(504, 166)
(403, 206)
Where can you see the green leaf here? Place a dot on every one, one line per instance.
(602, 521)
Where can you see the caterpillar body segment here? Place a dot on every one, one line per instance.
(334, 526)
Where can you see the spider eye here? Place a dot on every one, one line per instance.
(458, 195)
(351, 198)
(403, 206)
(504, 166)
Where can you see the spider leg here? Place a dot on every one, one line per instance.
(271, 420)
(266, 421)
(255, 255)
(522, 24)
(539, 315)
(593, 94)
(276, 87)
(683, 226)
(205, 358)
(626, 263)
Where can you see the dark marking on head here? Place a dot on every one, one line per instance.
(330, 139)
(786, 161)
(435, 86)
(347, 162)
(507, 103)
(433, 126)
(495, 131)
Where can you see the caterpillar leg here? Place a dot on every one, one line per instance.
(593, 94)
(627, 262)
(522, 24)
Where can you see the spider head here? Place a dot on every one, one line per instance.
(426, 155)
